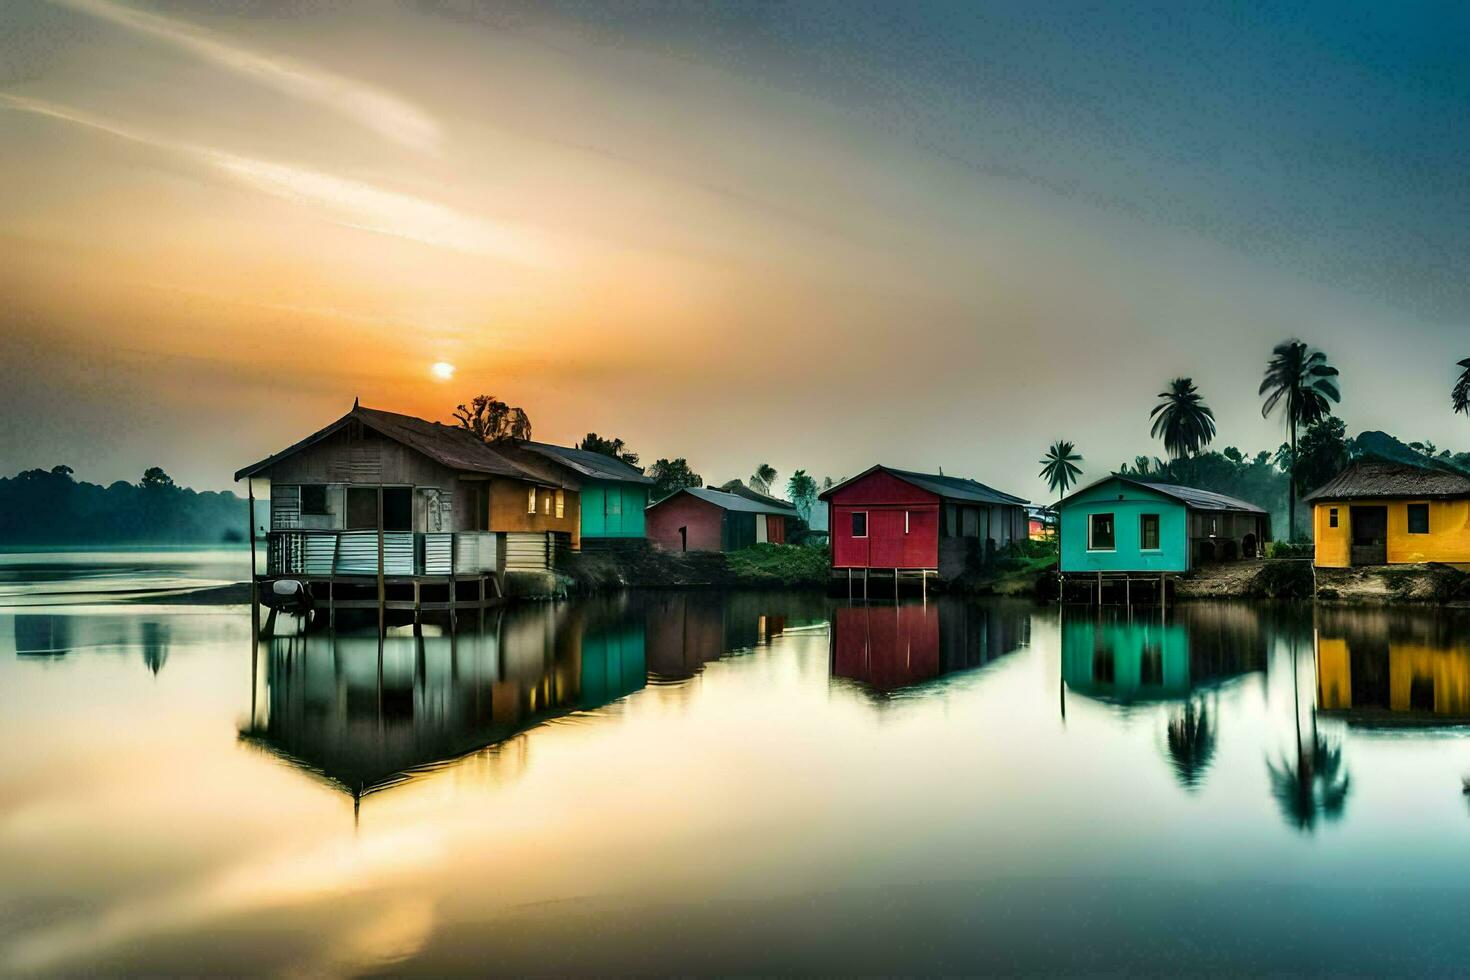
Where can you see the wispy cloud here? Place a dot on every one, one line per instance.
(347, 202)
(383, 112)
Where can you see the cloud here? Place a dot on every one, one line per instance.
(347, 202)
(383, 112)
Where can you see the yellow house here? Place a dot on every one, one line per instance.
(1380, 512)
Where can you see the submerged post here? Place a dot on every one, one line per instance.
(382, 590)
(254, 586)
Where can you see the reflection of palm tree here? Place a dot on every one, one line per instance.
(1316, 783)
(1191, 741)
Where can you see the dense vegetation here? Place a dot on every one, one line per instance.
(51, 507)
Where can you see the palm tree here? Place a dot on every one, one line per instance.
(1301, 378)
(1460, 393)
(1183, 419)
(763, 477)
(1060, 470)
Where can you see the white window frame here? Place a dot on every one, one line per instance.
(1090, 518)
(866, 526)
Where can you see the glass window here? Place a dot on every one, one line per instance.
(905, 522)
(1332, 517)
(531, 501)
(561, 504)
(1100, 533)
(546, 502)
(1148, 532)
(314, 499)
(1418, 518)
(860, 524)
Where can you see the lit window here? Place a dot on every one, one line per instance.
(1148, 532)
(561, 504)
(1100, 533)
(531, 502)
(860, 524)
(1418, 518)
(1332, 517)
(905, 522)
(546, 504)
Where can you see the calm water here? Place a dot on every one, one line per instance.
(705, 783)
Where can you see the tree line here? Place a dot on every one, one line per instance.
(1301, 387)
(51, 507)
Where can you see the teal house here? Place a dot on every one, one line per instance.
(613, 492)
(1121, 525)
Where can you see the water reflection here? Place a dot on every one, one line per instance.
(1128, 655)
(366, 715)
(889, 647)
(1393, 667)
(688, 630)
(42, 636)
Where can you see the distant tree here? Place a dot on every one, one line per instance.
(1182, 419)
(616, 448)
(730, 486)
(155, 477)
(761, 480)
(827, 483)
(1300, 380)
(802, 491)
(1460, 393)
(62, 470)
(492, 420)
(672, 475)
(1060, 470)
(1323, 453)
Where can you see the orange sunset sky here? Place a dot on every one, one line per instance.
(800, 234)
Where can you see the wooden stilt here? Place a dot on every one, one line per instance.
(382, 588)
(1128, 592)
(254, 582)
(895, 585)
(331, 606)
(849, 585)
(418, 604)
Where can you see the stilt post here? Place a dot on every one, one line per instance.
(382, 588)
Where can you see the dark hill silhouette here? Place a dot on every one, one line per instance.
(50, 507)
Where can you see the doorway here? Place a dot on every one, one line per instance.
(1369, 535)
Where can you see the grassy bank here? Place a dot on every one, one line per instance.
(762, 566)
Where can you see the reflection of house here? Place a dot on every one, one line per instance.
(1123, 525)
(1393, 667)
(887, 647)
(42, 635)
(365, 720)
(687, 630)
(1112, 656)
(894, 519)
(1378, 512)
(700, 519)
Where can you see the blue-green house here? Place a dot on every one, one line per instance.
(1124, 525)
(613, 493)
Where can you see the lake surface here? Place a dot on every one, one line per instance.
(705, 782)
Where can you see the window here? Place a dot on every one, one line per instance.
(612, 502)
(314, 499)
(1148, 532)
(970, 522)
(362, 508)
(561, 504)
(1100, 533)
(531, 501)
(860, 524)
(951, 521)
(1418, 518)
(905, 522)
(1332, 517)
(546, 502)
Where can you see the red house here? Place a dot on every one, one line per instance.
(901, 521)
(700, 519)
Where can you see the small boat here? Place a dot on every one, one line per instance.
(288, 595)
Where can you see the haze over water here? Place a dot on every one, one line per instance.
(716, 782)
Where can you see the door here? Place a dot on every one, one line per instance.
(684, 538)
(1369, 527)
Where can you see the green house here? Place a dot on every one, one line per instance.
(613, 493)
(1124, 525)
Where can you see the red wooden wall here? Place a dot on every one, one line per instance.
(663, 520)
(886, 499)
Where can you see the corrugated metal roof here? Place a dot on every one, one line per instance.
(730, 501)
(1374, 477)
(450, 446)
(949, 487)
(742, 490)
(1189, 496)
(588, 463)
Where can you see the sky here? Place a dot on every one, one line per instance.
(820, 234)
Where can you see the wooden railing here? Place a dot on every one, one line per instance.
(405, 553)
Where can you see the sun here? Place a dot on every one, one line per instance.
(442, 370)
